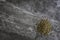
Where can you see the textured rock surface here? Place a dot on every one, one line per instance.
(12, 36)
(20, 17)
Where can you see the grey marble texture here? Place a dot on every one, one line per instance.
(19, 17)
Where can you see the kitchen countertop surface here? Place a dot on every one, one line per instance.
(18, 19)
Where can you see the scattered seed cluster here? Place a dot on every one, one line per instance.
(44, 26)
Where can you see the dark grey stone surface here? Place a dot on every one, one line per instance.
(4, 35)
(18, 18)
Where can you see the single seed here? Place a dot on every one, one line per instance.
(44, 26)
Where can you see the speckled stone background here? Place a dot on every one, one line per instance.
(18, 19)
